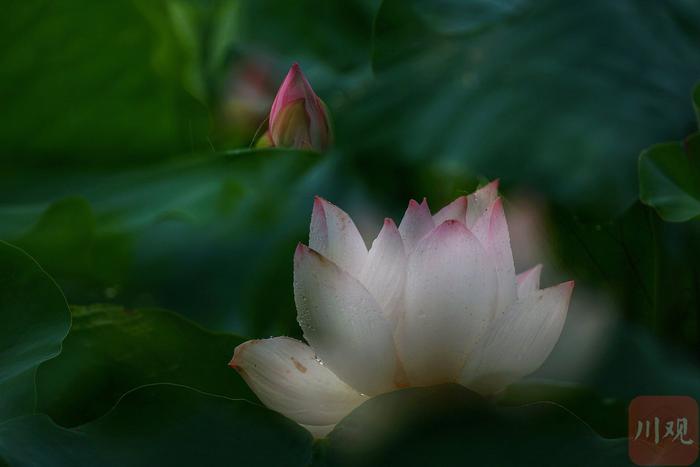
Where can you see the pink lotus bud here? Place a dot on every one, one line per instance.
(298, 117)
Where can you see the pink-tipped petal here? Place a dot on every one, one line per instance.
(417, 222)
(343, 323)
(449, 301)
(287, 378)
(520, 341)
(293, 88)
(480, 200)
(385, 269)
(492, 231)
(456, 210)
(333, 234)
(529, 281)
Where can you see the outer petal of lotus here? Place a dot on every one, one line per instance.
(293, 88)
(529, 281)
(520, 341)
(449, 301)
(492, 231)
(344, 324)
(456, 210)
(320, 125)
(417, 222)
(291, 127)
(480, 200)
(333, 234)
(287, 378)
(384, 272)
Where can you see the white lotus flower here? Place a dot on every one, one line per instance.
(435, 300)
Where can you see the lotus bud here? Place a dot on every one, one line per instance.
(298, 117)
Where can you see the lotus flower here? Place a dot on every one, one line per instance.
(434, 300)
(298, 117)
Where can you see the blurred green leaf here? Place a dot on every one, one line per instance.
(162, 425)
(647, 266)
(336, 34)
(205, 31)
(67, 241)
(111, 350)
(636, 362)
(555, 96)
(450, 425)
(92, 83)
(696, 101)
(620, 256)
(198, 188)
(669, 179)
(607, 416)
(35, 319)
(225, 222)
